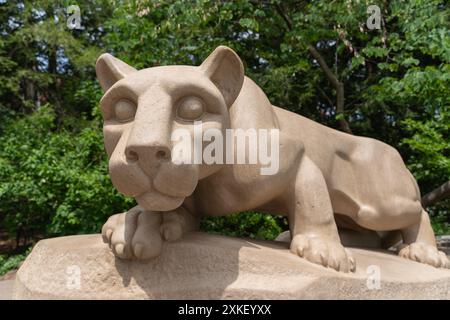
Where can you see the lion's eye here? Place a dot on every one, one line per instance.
(190, 108)
(125, 110)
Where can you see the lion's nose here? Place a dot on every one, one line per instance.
(152, 154)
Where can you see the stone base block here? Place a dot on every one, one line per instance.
(203, 266)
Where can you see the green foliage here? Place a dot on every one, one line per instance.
(430, 143)
(250, 224)
(41, 59)
(55, 181)
(8, 263)
(440, 225)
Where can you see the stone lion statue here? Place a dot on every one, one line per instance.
(324, 175)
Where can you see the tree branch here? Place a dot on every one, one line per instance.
(339, 86)
(325, 96)
(347, 43)
(284, 16)
(436, 195)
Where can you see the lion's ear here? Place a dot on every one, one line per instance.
(224, 67)
(110, 70)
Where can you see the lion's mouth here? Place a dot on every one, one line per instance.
(164, 190)
(170, 186)
(156, 201)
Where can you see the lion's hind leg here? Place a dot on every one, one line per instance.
(420, 244)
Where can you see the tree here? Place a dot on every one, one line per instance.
(42, 60)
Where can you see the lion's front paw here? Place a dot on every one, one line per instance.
(322, 251)
(425, 253)
(172, 227)
(134, 234)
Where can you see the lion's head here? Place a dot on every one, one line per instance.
(142, 108)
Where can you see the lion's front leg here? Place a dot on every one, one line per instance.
(134, 234)
(314, 232)
(139, 234)
(178, 222)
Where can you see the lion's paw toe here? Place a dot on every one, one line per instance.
(134, 234)
(327, 253)
(425, 253)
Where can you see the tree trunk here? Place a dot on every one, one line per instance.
(436, 195)
(339, 87)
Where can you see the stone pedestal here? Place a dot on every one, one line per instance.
(203, 266)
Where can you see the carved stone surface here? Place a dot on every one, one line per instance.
(322, 179)
(203, 266)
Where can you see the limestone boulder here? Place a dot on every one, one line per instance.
(204, 266)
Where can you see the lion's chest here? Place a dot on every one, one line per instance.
(237, 188)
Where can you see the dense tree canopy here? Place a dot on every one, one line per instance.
(316, 58)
